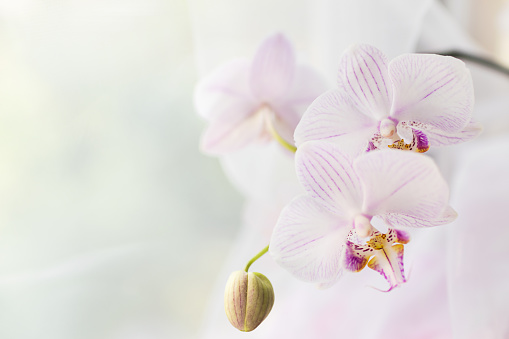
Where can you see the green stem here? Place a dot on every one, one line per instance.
(278, 137)
(256, 257)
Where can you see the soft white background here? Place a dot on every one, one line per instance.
(112, 224)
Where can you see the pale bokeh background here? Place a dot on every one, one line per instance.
(111, 220)
(112, 224)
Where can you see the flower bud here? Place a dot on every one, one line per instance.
(248, 299)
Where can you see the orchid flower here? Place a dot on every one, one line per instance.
(329, 228)
(412, 102)
(246, 101)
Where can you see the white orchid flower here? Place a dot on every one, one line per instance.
(329, 229)
(413, 102)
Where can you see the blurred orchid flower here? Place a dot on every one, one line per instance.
(244, 99)
(424, 99)
(329, 228)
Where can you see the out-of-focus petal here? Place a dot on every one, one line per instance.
(308, 241)
(273, 68)
(306, 87)
(225, 94)
(397, 220)
(334, 117)
(224, 137)
(432, 89)
(438, 137)
(363, 75)
(327, 174)
(401, 182)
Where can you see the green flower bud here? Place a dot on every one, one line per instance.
(248, 299)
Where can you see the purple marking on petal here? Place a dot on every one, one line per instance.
(333, 136)
(321, 177)
(364, 77)
(371, 147)
(391, 236)
(304, 244)
(343, 168)
(421, 141)
(402, 237)
(436, 89)
(381, 74)
(312, 177)
(372, 76)
(336, 172)
(357, 80)
(404, 184)
(356, 260)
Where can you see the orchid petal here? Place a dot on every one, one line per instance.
(356, 256)
(306, 87)
(401, 219)
(334, 117)
(401, 236)
(327, 175)
(438, 137)
(402, 183)
(225, 93)
(308, 241)
(223, 137)
(432, 89)
(273, 67)
(363, 75)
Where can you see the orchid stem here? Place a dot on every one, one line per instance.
(279, 138)
(256, 257)
(477, 59)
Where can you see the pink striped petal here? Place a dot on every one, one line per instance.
(401, 182)
(308, 241)
(335, 118)
(225, 94)
(399, 219)
(363, 76)
(327, 174)
(273, 68)
(432, 89)
(438, 137)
